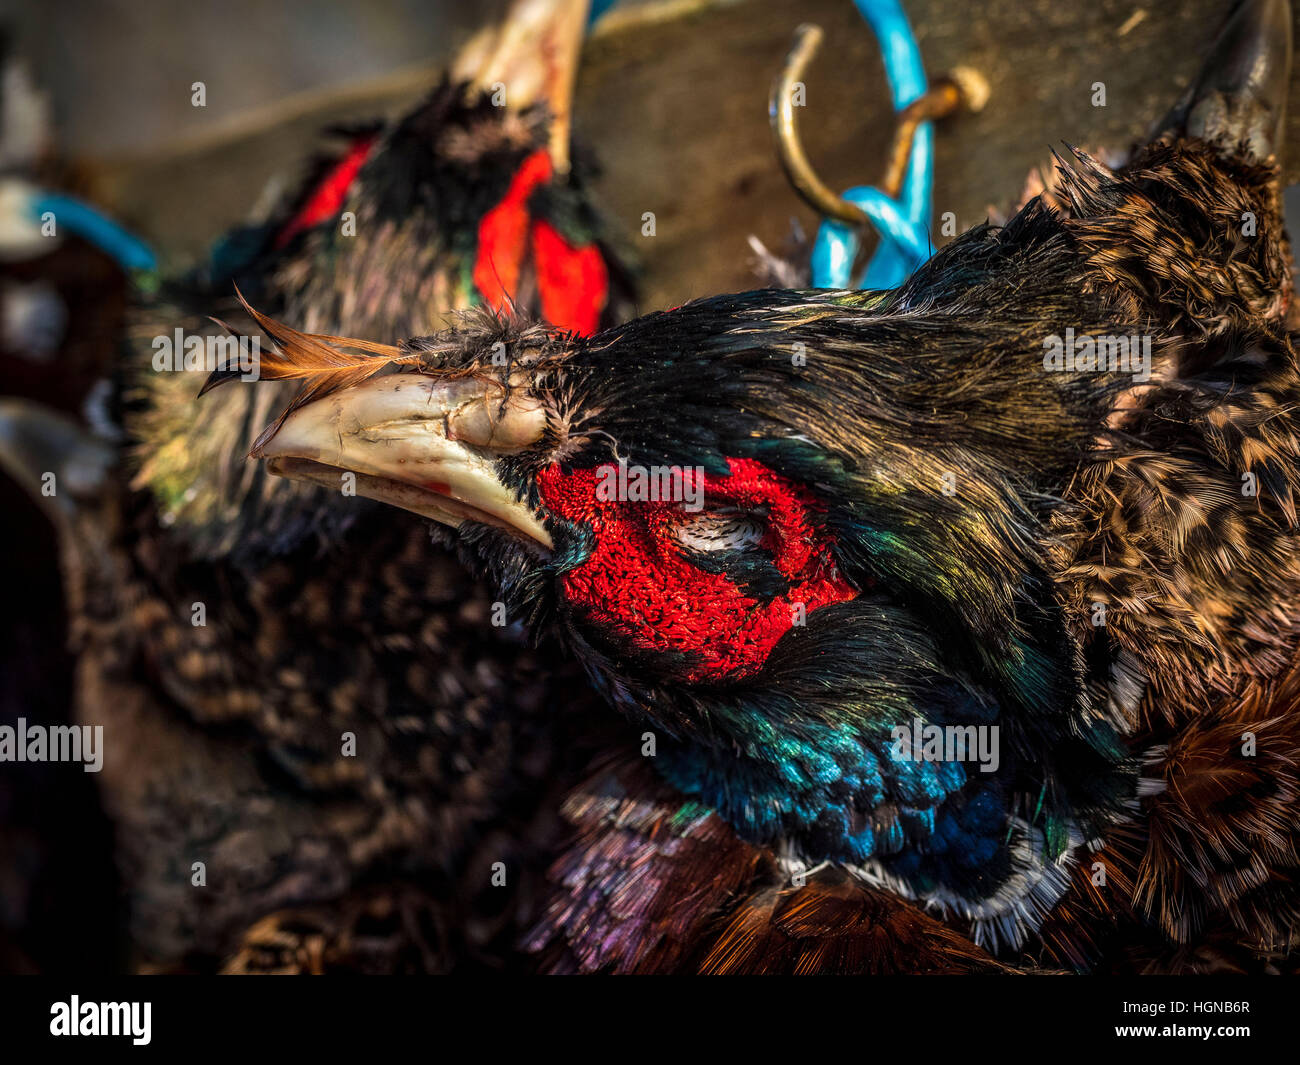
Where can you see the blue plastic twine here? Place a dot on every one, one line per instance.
(88, 223)
(598, 8)
(903, 224)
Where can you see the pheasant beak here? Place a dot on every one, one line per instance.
(425, 444)
(534, 53)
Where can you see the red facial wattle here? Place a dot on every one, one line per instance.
(640, 586)
(572, 280)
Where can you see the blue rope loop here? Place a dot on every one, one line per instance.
(903, 224)
(92, 225)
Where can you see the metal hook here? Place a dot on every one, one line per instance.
(944, 97)
(815, 192)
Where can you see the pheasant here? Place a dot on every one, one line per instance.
(954, 624)
(321, 751)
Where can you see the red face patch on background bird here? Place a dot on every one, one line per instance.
(572, 280)
(326, 199)
(474, 191)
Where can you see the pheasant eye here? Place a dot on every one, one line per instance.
(720, 529)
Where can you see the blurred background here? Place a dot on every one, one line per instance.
(671, 100)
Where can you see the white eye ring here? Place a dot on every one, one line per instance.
(721, 529)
